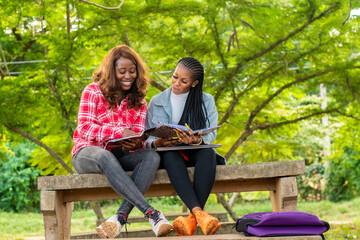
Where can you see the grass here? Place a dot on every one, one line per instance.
(16, 226)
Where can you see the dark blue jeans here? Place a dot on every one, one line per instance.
(144, 164)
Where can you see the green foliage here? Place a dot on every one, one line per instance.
(170, 201)
(343, 176)
(343, 180)
(311, 184)
(42, 160)
(18, 180)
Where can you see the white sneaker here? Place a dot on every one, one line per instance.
(160, 225)
(110, 228)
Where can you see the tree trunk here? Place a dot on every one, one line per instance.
(233, 199)
(95, 205)
(228, 208)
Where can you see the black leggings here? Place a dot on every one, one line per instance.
(204, 161)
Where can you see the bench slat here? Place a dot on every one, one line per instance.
(225, 232)
(223, 174)
(87, 194)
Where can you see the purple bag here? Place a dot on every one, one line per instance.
(292, 223)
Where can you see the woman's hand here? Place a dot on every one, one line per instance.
(166, 142)
(128, 133)
(189, 139)
(131, 144)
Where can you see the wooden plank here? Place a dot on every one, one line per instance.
(226, 231)
(167, 190)
(223, 173)
(234, 236)
(56, 214)
(284, 197)
(48, 209)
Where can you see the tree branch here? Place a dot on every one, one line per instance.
(235, 35)
(17, 36)
(352, 90)
(349, 13)
(232, 105)
(228, 208)
(264, 103)
(202, 37)
(103, 7)
(347, 115)
(233, 198)
(57, 96)
(273, 125)
(3, 55)
(41, 144)
(158, 85)
(217, 41)
(26, 46)
(248, 130)
(95, 205)
(271, 47)
(245, 134)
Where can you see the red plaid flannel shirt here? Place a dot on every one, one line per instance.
(97, 123)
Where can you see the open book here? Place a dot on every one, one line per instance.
(162, 131)
(115, 143)
(169, 130)
(187, 147)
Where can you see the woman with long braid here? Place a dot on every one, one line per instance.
(185, 103)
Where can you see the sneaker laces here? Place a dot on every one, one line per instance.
(122, 218)
(154, 215)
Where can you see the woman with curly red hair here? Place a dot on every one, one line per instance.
(111, 107)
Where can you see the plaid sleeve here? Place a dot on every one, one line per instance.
(139, 123)
(88, 128)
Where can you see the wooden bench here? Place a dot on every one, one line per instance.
(59, 192)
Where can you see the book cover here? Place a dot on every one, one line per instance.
(115, 143)
(188, 147)
(169, 130)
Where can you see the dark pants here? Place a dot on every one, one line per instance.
(204, 160)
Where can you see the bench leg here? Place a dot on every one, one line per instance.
(57, 215)
(284, 198)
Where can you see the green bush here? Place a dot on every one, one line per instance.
(310, 184)
(171, 200)
(343, 178)
(18, 180)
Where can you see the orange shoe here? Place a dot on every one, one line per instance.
(215, 229)
(208, 224)
(185, 226)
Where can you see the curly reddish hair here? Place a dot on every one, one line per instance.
(105, 76)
